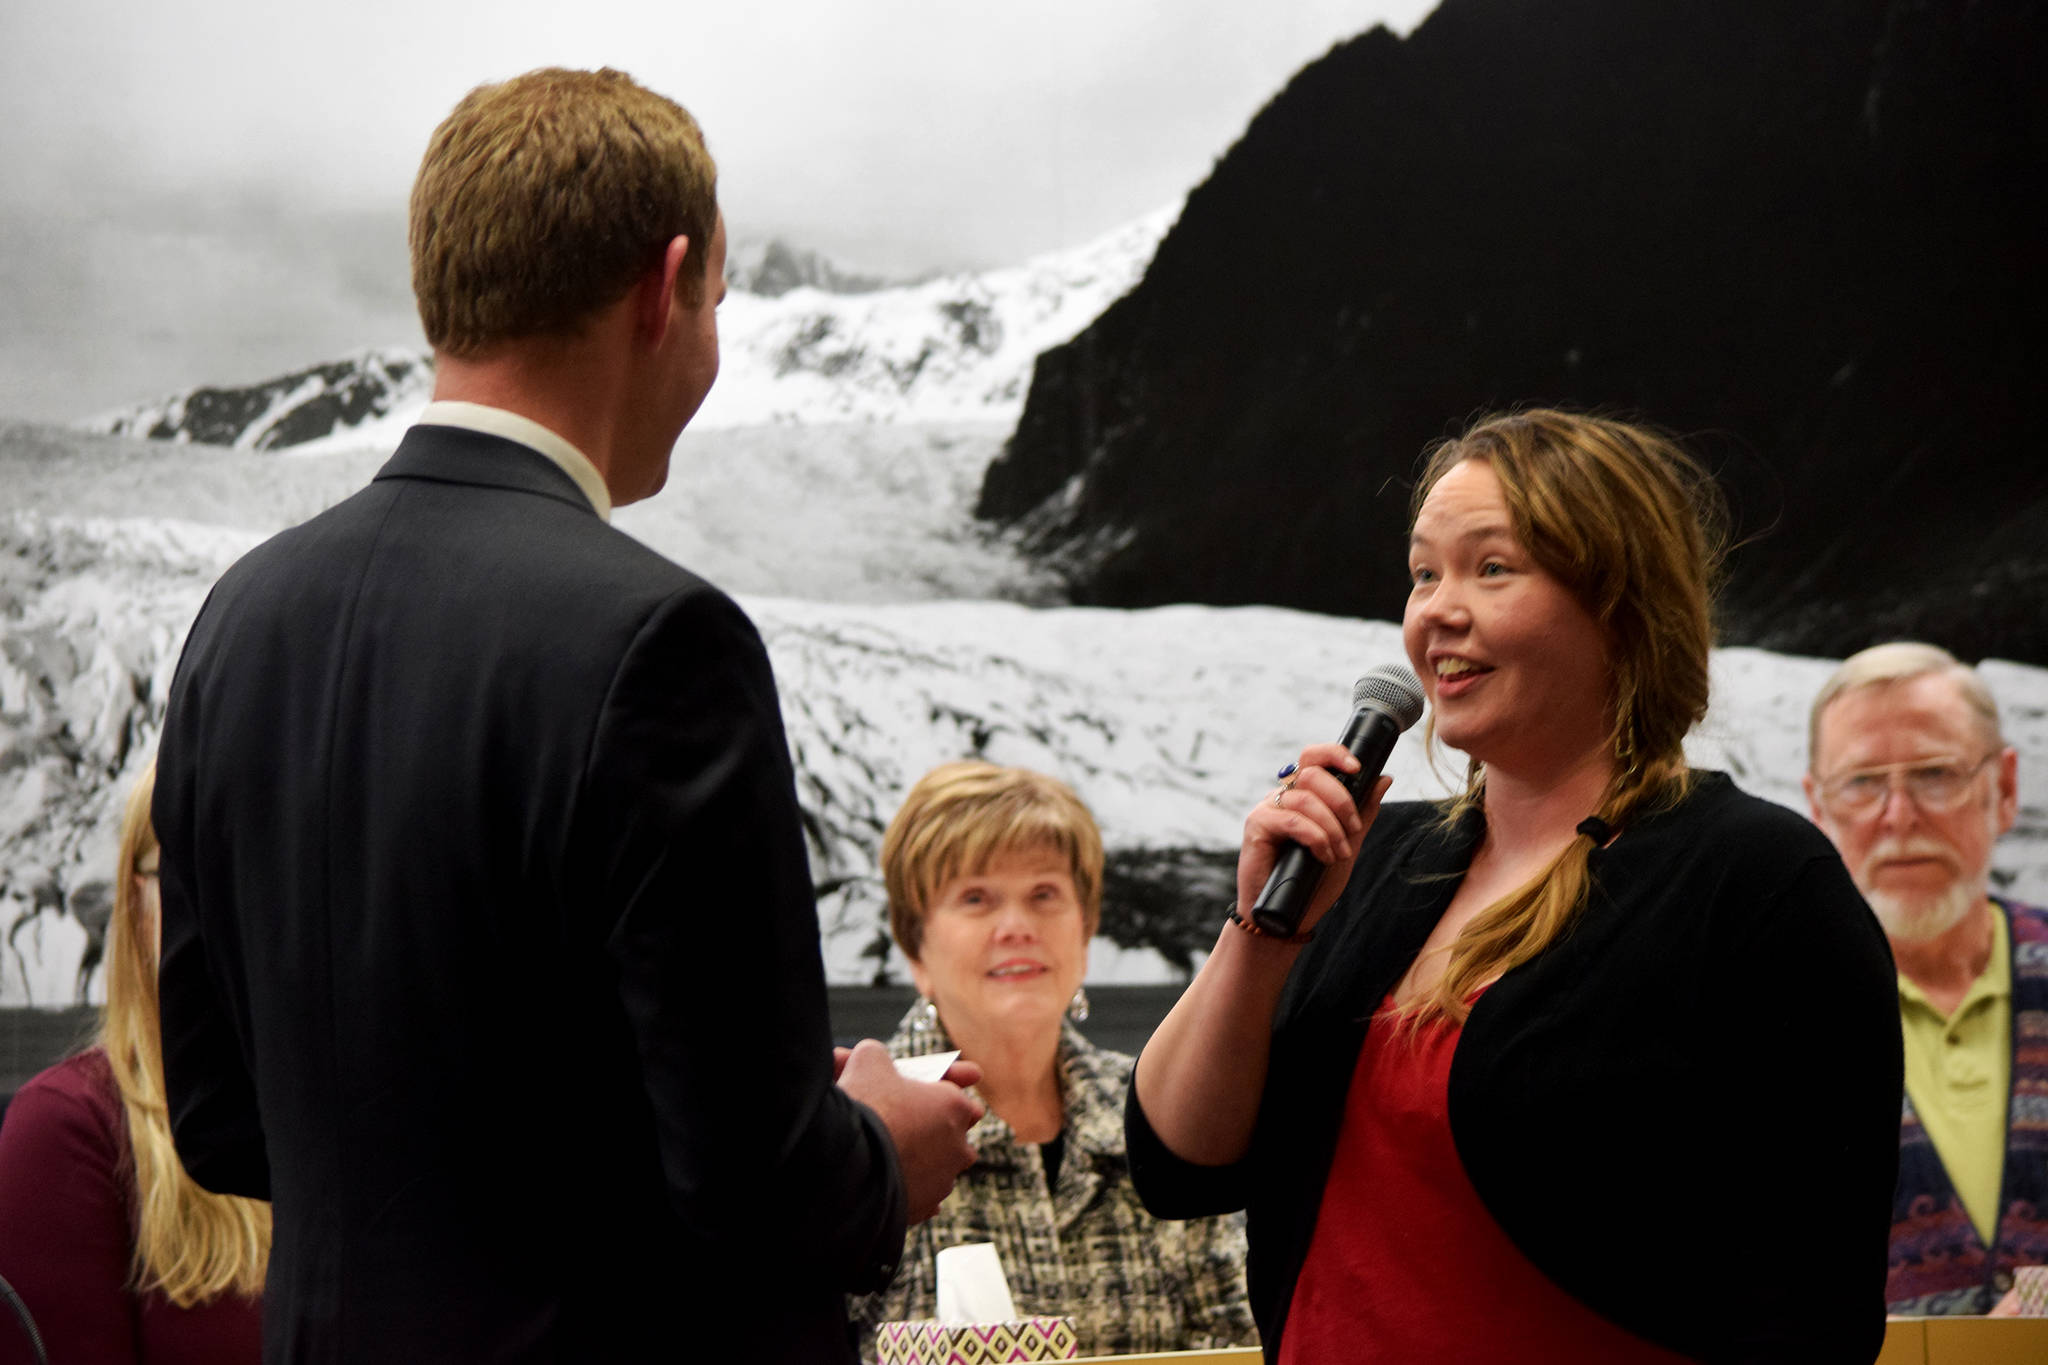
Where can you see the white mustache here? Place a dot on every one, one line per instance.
(1894, 850)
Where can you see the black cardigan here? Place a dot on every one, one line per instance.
(1685, 1112)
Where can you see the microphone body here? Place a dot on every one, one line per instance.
(1386, 701)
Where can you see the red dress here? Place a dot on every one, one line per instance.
(1406, 1264)
(67, 1198)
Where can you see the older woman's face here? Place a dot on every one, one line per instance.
(1516, 670)
(1006, 947)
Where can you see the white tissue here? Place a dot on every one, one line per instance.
(972, 1287)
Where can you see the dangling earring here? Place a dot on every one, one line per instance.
(924, 1021)
(1077, 1008)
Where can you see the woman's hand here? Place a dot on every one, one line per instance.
(1200, 1078)
(1314, 810)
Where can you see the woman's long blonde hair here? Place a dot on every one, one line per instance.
(1633, 527)
(191, 1244)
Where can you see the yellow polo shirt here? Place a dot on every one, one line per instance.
(1959, 1075)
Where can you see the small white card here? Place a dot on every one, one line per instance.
(931, 1067)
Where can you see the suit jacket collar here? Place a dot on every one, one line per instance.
(458, 455)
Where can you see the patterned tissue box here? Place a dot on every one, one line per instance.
(2032, 1283)
(980, 1343)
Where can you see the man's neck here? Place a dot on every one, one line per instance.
(1946, 966)
(562, 388)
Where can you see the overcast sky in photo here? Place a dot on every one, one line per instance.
(203, 191)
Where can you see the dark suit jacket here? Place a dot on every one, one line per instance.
(490, 953)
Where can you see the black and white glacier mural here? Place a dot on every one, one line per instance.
(1131, 512)
(1168, 720)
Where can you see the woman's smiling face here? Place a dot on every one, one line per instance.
(1517, 671)
(1004, 948)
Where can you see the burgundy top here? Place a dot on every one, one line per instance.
(67, 1198)
(1406, 1264)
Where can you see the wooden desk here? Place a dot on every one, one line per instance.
(1907, 1341)
(1965, 1341)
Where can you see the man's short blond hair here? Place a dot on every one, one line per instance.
(961, 817)
(543, 198)
(1897, 662)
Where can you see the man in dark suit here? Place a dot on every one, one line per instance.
(490, 954)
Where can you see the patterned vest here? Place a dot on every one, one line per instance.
(1938, 1263)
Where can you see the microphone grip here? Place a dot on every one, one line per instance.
(1370, 737)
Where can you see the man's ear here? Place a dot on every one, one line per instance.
(1813, 802)
(655, 294)
(2007, 767)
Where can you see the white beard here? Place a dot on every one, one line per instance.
(1925, 917)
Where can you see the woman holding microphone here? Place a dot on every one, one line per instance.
(1598, 1060)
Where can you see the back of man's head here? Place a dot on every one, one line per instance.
(543, 198)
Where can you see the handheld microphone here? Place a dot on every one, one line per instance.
(1384, 702)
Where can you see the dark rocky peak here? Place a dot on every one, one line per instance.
(1799, 232)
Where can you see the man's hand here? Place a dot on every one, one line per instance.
(961, 1073)
(927, 1120)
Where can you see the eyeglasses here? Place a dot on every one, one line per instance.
(1935, 785)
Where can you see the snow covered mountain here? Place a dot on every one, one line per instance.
(773, 267)
(289, 410)
(805, 348)
(955, 348)
(1167, 720)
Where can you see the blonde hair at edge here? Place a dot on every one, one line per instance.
(541, 199)
(1900, 661)
(960, 817)
(1632, 527)
(191, 1244)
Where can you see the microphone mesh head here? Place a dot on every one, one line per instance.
(1391, 690)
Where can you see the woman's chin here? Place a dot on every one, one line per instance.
(1027, 1007)
(1460, 737)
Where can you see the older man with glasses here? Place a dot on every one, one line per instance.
(1912, 779)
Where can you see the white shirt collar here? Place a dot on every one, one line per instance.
(527, 432)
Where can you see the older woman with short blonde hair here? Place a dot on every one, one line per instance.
(994, 877)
